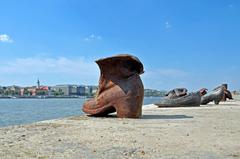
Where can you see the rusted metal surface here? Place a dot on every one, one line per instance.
(203, 91)
(120, 88)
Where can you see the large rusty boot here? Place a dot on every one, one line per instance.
(120, 88)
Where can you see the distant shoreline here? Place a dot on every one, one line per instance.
(44, 97)
(55, 97)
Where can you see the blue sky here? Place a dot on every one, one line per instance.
(186, 43)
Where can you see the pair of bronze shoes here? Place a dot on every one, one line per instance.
(120, 88)
(179, 97)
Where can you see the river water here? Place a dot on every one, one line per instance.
(25, 111)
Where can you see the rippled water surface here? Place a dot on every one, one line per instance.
(24, 111)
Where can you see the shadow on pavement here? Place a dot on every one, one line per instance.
(166, 117)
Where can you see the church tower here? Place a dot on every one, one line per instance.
(38, 83)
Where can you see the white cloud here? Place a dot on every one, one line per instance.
(59, 65)
(164, 79)
(92, 37)
(5, 38)
(167, 25)
(59, 70)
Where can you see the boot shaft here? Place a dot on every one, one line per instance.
(117, 70)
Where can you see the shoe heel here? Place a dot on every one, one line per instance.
(129, 107)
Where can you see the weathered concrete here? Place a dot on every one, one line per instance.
(209, 132)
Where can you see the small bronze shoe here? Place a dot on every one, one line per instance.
(215, 95)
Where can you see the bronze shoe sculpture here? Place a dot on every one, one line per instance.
(217, 95)
(227, 94)
(180, 98)
(120, 88)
